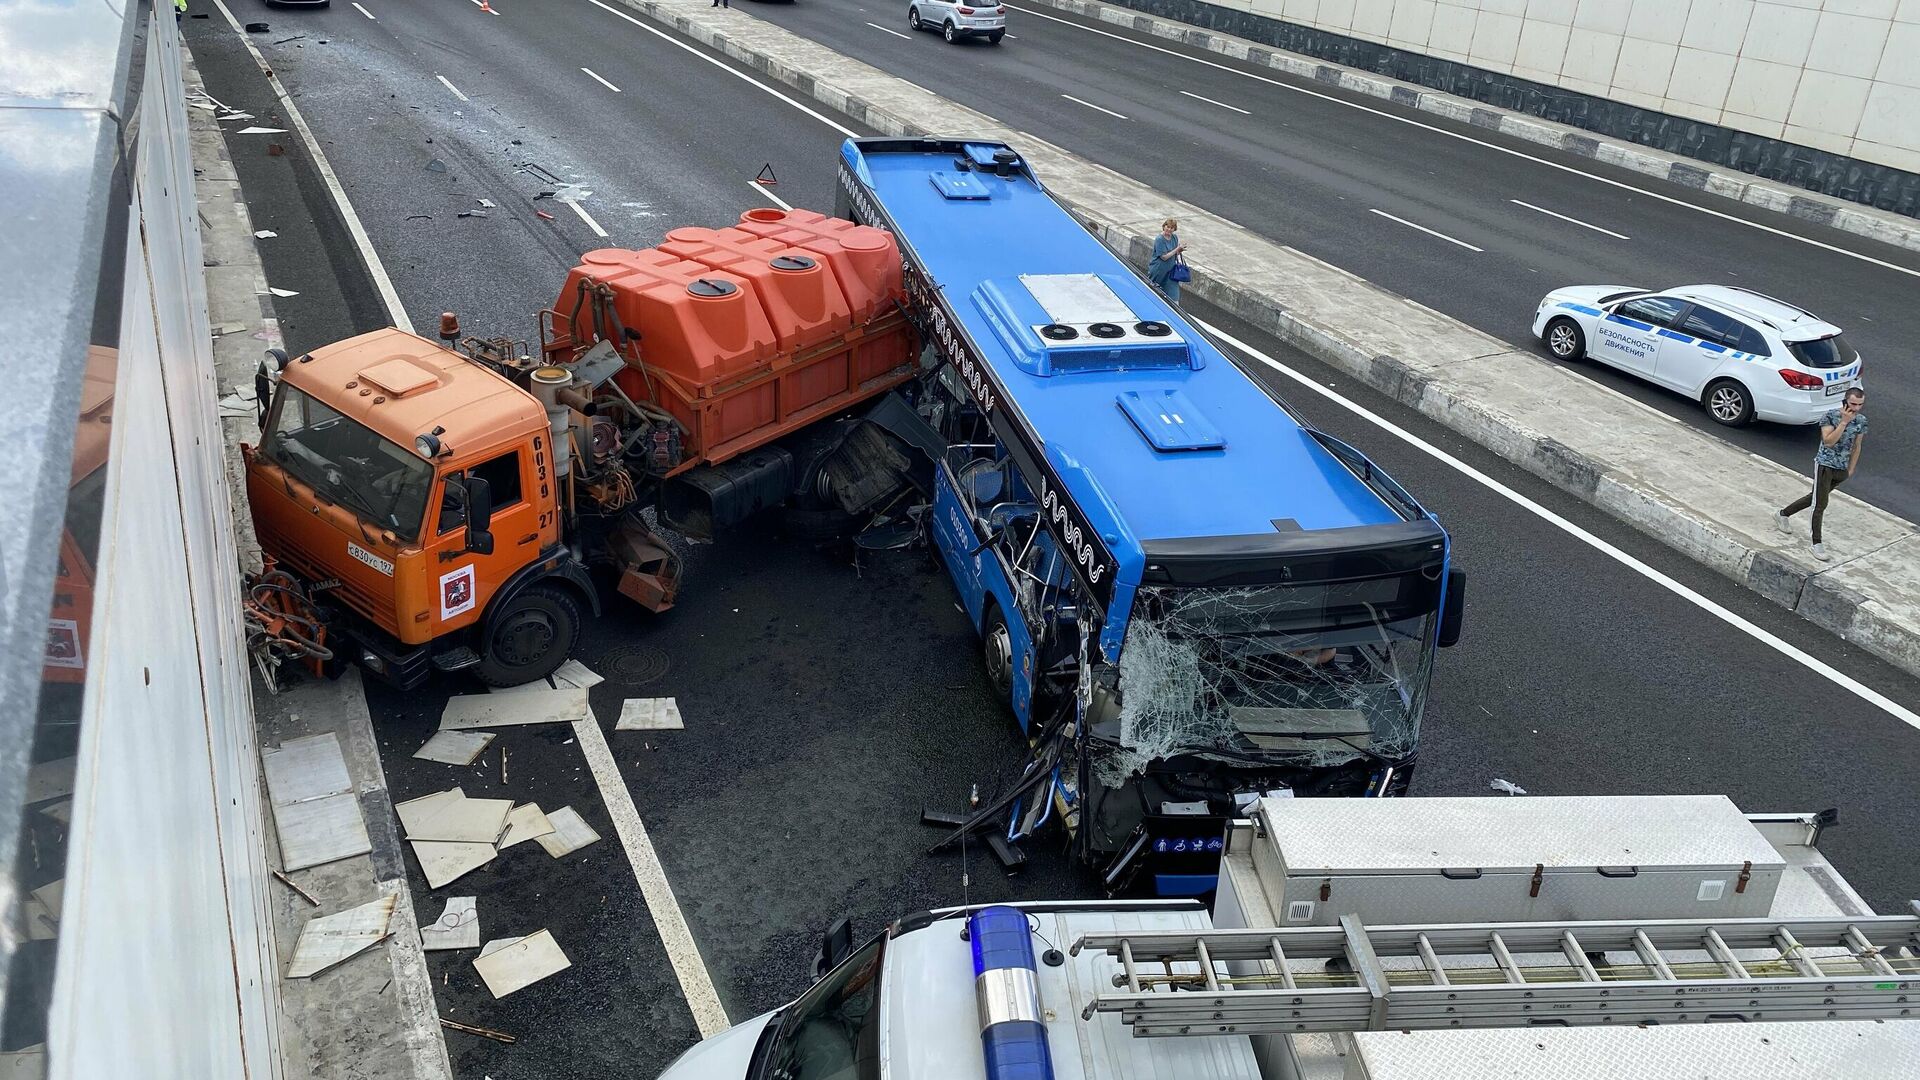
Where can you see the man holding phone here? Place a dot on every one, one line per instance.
(1843, 431)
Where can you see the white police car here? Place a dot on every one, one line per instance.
(957, 20)
(1737, 352)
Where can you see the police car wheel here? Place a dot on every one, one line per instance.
(1729, 403)
(1564, 340)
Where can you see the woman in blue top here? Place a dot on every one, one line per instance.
(1166, 255)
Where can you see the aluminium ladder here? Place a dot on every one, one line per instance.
(1249, 982)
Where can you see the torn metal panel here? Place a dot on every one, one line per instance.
(554, 705)
(496, 945)
(525, 822)
(576, 674)
(650, 714)
(303, 769)
(442, 861)
(570, 833)
(50, 780)
(450, 815)
(315, 811)
(519, 964)
(26, 1063)
(331, 939)
(458, 927)
(454, 747)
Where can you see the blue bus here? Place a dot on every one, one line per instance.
(1187, 595)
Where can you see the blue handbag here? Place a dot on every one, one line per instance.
(1180, 271)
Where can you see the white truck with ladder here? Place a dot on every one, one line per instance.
(1668, 937)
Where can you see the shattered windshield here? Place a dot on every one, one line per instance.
(1315, 673)
(346, 463)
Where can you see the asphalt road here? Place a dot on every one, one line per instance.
(827, 701)
(1314, 167)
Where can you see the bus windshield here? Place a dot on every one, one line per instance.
(346, 463)
(1324, 673)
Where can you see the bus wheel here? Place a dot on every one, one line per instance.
(532, 637)
(997, 650)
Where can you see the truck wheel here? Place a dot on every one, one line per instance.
(996, 650)
(532, 637)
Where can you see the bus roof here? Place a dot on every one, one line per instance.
(1005, 253)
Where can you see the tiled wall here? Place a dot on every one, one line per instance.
(1841, 76)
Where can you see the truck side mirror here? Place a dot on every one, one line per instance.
(271, 365)
(479, 516)
(1454, 609)
(835, 945)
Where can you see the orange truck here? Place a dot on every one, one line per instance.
(462, 504)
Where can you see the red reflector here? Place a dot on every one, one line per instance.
(1800, 380)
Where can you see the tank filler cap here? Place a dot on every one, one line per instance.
(552, 376)
(712, 288)
(792, 262)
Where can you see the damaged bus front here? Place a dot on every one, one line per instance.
(1187, 596)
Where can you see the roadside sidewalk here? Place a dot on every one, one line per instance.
(1700, 495)
(374, 1014)
(1800, 203)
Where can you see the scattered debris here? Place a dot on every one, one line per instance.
(61, 811)
(258, 28)
(521, 963)
(275, 149)
(282, 293)
(235, 405)
(331, 939)
(443, 861)
(474, 1029)
(496, 945)
(570, 833)
(472, 213)
(486, 204)
(264, 234)
(575, 673)
(315, 810)
(540, 706)
(450, 815)
(458, 927)
(284, 40)
(50, 780)
(650, 714)
(454, 747)
(261, 131)
(436, 165)
(29, 1062)
(766, 177)
(525, 822)
(1507, 786)
(295, 886)
(543, 214)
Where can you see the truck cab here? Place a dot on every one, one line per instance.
(413, 490)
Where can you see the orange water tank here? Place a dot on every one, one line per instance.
(696, 323)
(864, 259)
(804, 302)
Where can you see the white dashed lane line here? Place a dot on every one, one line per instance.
(1091, 105)
(1210, 101)
(1426, 230)
(364, 11)
(884, 30)
(450, 86)
(595, 76)
(1565, 218)
(761, 190)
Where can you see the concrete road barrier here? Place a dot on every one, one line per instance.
(1687, 488)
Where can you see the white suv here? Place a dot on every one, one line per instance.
(955, 21)
(1738, 352)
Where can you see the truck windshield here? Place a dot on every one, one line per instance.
(346, 463)
(833, 1031)
(1322, 672)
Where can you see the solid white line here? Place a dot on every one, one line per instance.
(1222, 104)
(664, 36)
(1426, 230)
(1481, 142)
(389, 296)
(591, 74)
(364, 11)
(1092, 106)
(489, 8)
(884, 30)
(682, 951)
(450, 86)
(762, 191)
(1745, 626)
(1575, 221)
(586, 217)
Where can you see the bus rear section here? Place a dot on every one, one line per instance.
(1187, 596)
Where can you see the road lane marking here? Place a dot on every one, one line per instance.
(761, 190)
(884, 30)
(741, 75)
(1426, 230)
(1092, 106)
(1510, 152)
(364, 11)
(1222, 104)
(1738, 622)
(1563, 217)
(591, 74)
(486, 7)
(450, 86)
(682, 951)
(586, 217)
(389, 296)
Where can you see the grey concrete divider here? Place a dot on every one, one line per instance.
(1811, 206)
(1686, 488)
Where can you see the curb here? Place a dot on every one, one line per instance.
(240, 310)
(1798, 203)
(1581, 437)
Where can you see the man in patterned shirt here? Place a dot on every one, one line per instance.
(1843, 431)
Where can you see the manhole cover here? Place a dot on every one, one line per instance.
(638, 666)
